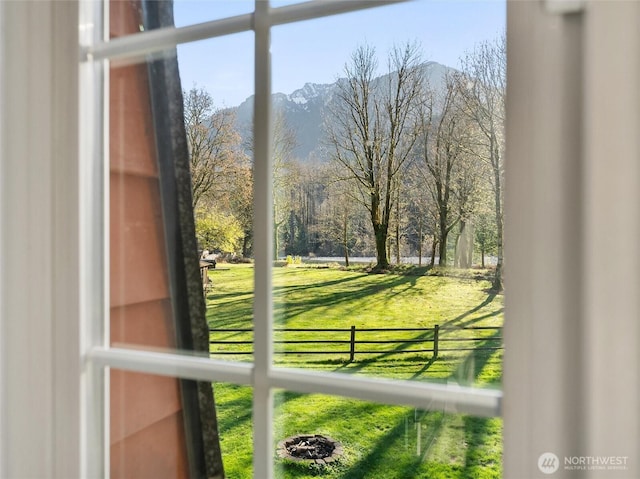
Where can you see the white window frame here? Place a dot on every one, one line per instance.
(559, 392)
(261, 374)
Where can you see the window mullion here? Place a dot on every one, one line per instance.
(450, 397)
(171, 364)
(263, 241)
(137, 45)
(94, 247)
(313, 9)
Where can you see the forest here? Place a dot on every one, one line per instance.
(408, 167)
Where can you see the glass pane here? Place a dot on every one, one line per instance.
(224, 68)
(126, 16)
(181, 212)
(388, 159)
(189, 12)
(235, 422)
(166, 427)
(222, 175)
(356, 439)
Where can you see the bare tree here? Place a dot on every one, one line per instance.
(285, 172)
(214, 145)
(342, 220)
(306, 196)
(284, 175)
(485, 228)
(402, 217)
(484, 94)
(241, 203)
(419, 209)
(445, 151)
(470, 176)
(372, 129)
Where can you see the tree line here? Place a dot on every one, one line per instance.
(407, 168)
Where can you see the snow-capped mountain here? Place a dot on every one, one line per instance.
(309, 93)
(304, 110)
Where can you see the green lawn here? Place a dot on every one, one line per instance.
(379, 441)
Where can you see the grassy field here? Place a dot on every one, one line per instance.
(379, 441)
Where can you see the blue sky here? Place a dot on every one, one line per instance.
(316, 51)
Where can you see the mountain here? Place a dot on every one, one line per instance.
(305, 108)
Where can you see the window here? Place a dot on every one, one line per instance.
(122, 52)
(573, 167)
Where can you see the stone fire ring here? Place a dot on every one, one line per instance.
(310, 449)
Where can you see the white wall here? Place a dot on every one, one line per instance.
(572, 208)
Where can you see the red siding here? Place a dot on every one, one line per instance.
(147, 432)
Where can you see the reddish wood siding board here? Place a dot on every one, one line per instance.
(139, 400)
(147, 324)
(145, 455)
(147, 426)
(124, 17)
(138, 256)
(131, 143)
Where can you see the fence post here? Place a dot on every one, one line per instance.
(352, 352)
(436, 334)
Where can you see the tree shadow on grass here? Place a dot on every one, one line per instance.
(310, 420)
(237, 313)
(457, 321)
(425, 368)
(402, 287)
(236, 412)
(479, 430)
(303, 287)
(235, 309)
(477, 319)
(291, 307)
(436, 421)
(376, 455)
(478, 455)
(407, 459)
(217, 296)
(469, 370)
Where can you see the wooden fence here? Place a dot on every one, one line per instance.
(335, 341)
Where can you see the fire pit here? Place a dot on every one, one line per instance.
(311, 448)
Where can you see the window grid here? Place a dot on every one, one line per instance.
(260, 375)
(263, 214)
(94, 248)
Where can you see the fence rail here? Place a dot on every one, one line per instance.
(432, 337)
